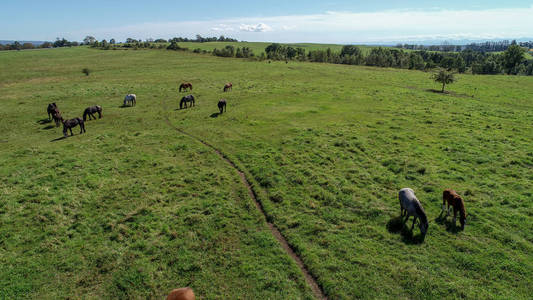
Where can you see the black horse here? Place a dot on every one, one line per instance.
(69, 124)
(222, 105)
(184, 100)
(90, 112)
(52, 107)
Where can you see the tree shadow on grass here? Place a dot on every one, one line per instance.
(396, 225)
(44, 121)
(450, 226)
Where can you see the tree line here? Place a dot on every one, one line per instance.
(512, 61)
(489, 46)
(24, 46)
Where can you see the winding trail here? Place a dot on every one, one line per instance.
(317, 291)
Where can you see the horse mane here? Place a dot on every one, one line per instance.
(420, 211)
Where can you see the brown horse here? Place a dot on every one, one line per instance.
(69, 124)
(185, 86)
(54, 112)
(453, 199)
(228, 87)
(181, 294)
(222, 105)
(89, 111)
(52, 107)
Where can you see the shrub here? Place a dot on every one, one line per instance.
(86, 71)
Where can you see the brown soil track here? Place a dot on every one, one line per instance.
(319, 294)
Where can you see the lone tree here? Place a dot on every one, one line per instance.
(444, 77)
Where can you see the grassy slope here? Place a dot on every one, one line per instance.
(329, 146)
(132, 209)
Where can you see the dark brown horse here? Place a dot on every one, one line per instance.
(52, 107)
(69, 124)
(54, 112)
(222, 105)
(185, 86)
(453, 199)
(89, 111)
(228, 87)
(184, 100)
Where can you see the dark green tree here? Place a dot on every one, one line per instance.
(445, 77)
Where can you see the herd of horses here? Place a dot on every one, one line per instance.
(129, 100)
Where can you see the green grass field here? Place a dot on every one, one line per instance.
(133, 208)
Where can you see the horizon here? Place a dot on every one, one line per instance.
(340, 22)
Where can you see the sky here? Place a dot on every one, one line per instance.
(384, 21)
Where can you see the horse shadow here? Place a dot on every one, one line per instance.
(450, 226)
(214, 115)
(58, 139)
(396, 225)
(125, 106)
(49, 127)
(44, 121)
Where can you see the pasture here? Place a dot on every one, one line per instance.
(133, 208)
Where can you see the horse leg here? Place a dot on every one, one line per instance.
(454, 215)
(71, 134)
(414, 221)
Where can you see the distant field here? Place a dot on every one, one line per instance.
(134, 208)
(258, 47)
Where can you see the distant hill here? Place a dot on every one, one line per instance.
(35, 43)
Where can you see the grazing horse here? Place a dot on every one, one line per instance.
(453, 199)
(410, 206)
(185, 99)
(52, 107)
(131, 99)
(222, 105)
(228, 87)
(69, 124)
(185, 86)
(91, 110)
(54, 112)
(181, 294)
(56, 115)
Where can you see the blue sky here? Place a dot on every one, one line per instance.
(283, 21)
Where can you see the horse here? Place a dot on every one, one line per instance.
(222, 105)
(452, 198)
(228, 87)
(185, 86)
(185, 99)
(410, 206)
(52, 107)
(130, 98)
(181, 294)
(90, 112)
(56, 115)
(69, 124)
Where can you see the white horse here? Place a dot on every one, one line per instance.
(130, 98)
(410, 206)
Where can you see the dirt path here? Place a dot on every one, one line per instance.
(319, 294)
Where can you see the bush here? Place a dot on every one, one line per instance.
(86, 71)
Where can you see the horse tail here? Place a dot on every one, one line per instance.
(84, 115)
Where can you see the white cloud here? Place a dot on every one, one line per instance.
(345, 27)
(261, 27)
(222, 27)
